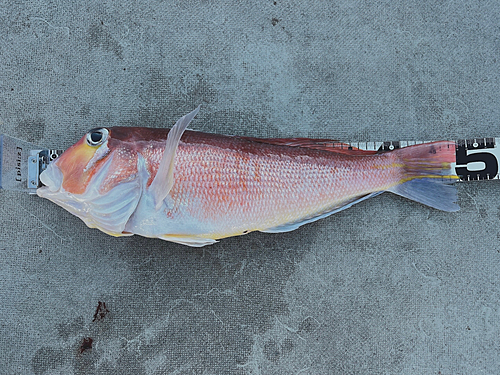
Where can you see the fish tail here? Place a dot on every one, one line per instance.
(427, 175)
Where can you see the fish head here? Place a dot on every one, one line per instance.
(97, 180)
(73, 170)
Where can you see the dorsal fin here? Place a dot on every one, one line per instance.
(330, 145)
(164, 179)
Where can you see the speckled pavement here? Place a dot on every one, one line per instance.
(386, 287)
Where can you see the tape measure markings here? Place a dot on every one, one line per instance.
(476, 158)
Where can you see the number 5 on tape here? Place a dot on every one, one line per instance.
(477, 159)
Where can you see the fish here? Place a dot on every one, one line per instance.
(195, 188)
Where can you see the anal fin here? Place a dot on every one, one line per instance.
(288, 227)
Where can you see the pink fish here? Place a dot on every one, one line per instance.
(194, 188)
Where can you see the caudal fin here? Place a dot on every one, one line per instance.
(427, 177)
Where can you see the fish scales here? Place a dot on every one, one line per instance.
(252, 186)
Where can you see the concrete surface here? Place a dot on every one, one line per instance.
(387, 287)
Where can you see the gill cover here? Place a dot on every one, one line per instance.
(74, 180)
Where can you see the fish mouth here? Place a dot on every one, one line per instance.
(52, 178)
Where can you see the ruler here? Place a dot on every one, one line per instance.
(476, 158)
(22, 162)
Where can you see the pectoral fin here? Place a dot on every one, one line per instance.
(164, 179)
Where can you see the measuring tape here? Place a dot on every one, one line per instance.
(22, 162)
(476, 159)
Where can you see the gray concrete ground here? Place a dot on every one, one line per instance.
(387, 287)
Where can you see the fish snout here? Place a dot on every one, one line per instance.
(52, 177)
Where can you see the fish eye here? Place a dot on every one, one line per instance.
(96, 137)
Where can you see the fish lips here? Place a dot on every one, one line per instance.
(52, 178)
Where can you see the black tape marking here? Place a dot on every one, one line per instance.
(490, 161)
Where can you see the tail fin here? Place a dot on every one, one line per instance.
(427, 175)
